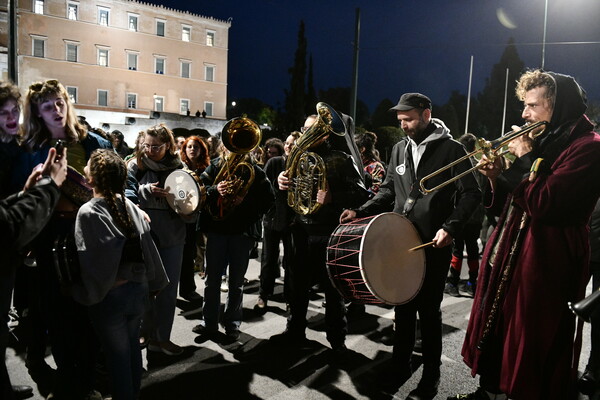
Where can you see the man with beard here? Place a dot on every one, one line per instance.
(438, 216)
(521, 339)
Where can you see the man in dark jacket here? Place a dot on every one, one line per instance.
(438, 216)
(22, 216)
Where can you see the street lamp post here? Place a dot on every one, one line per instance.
(544, 37)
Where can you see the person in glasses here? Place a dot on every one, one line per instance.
(49, 116)
(155, 160)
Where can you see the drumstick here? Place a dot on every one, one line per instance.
(422, 246)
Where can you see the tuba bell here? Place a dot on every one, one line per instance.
(306, 170)
(240, 136)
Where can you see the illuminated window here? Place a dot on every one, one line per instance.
(208, 107)
(131, 100)
(72, 52)
(39, 47)
(103, 57)
(159, 102)
(72, 11)
(132, 61)
(38, 6)
(159, 65)
(209, 73)
(133, 22)
(186, 33)
(103, 16)
(72, 92)
(184, 106)
(210, 38)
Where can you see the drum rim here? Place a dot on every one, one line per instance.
(419, 252)
(199, 186)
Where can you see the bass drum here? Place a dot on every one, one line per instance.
(186, 192)
(368, 260)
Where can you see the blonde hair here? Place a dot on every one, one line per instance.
(162, 133)
(534, 79)
(34, 131)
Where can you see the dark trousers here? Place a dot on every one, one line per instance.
(187, 284)
(427, 304)
(309, 265)
(269, 261)
(6, 286)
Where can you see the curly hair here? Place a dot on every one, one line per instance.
(35, 133)
(109, 174)
(9, 91)
(534, 79)
(368, 141)
(203, 157)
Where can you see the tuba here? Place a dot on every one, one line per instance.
(305, 169)
(240, 136)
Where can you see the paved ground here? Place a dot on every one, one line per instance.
(252, 368)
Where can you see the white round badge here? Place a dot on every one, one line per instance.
(401, 169)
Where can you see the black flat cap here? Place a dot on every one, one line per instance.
(408, 101)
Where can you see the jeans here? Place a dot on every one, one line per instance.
(160, 312)
(224, 250)
(116, 320)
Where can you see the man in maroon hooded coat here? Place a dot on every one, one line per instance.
(522, 339)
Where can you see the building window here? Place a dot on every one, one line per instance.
(160, 28)
(72, 52)
(132, 22)
(159, 102)
(39, 47)
(184, 106)
(38, 6)
(131, 100)
(103, 57)
(185, 69)
(209, 73)
(72, 11)
(159, 65)
(103, 16)
(102, 97)
(72, 92)
(210, 38)
(208, 107)
(186, 33)
(132, 60)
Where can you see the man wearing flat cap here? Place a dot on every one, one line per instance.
(438, 216)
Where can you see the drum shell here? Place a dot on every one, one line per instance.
(186, 192)
(368, 260)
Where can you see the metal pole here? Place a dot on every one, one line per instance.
(355, 73)
(13, 74)
(505, 96)
(469, 97)
(544, 37)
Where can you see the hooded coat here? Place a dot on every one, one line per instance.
(531, 346)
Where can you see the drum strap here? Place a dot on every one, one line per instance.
(414, 188)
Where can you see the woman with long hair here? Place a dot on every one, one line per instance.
(194, 155)
(156, 159)
(49, 116)
(119, 265)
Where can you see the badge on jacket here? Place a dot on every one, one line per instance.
(401, 169)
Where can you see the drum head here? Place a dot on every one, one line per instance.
(186, 195)
(392, 273)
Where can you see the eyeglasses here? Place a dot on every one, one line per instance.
(153, 148)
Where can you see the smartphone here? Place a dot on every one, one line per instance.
(59, 146)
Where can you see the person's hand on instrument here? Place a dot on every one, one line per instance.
(157, 191)
(521, 145)
(324, 196)
(442, 239)
(491, 169)
(347, 215)
(283, 181)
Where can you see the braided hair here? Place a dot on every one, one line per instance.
(109, 175)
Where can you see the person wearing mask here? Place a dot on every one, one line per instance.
(438, 216)
(522, 339)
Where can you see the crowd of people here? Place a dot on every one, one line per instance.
(113, 253)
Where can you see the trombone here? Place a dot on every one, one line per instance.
(491, 150)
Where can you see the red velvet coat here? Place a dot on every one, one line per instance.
(532, 347)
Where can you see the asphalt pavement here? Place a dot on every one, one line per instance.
(253, 368)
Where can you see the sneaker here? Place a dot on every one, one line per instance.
(202, 329)
(224, 284)
(261, 306)
(233, 335)
(451, 289)
(479, 394)
(169, 348)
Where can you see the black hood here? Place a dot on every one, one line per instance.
(570, 102)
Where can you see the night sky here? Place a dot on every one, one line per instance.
(405, 45)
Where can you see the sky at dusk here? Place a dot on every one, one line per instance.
(405, 45)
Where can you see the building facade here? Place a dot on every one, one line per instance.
(123, 60)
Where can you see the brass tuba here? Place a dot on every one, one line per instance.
(240, 136)
(305, 169)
